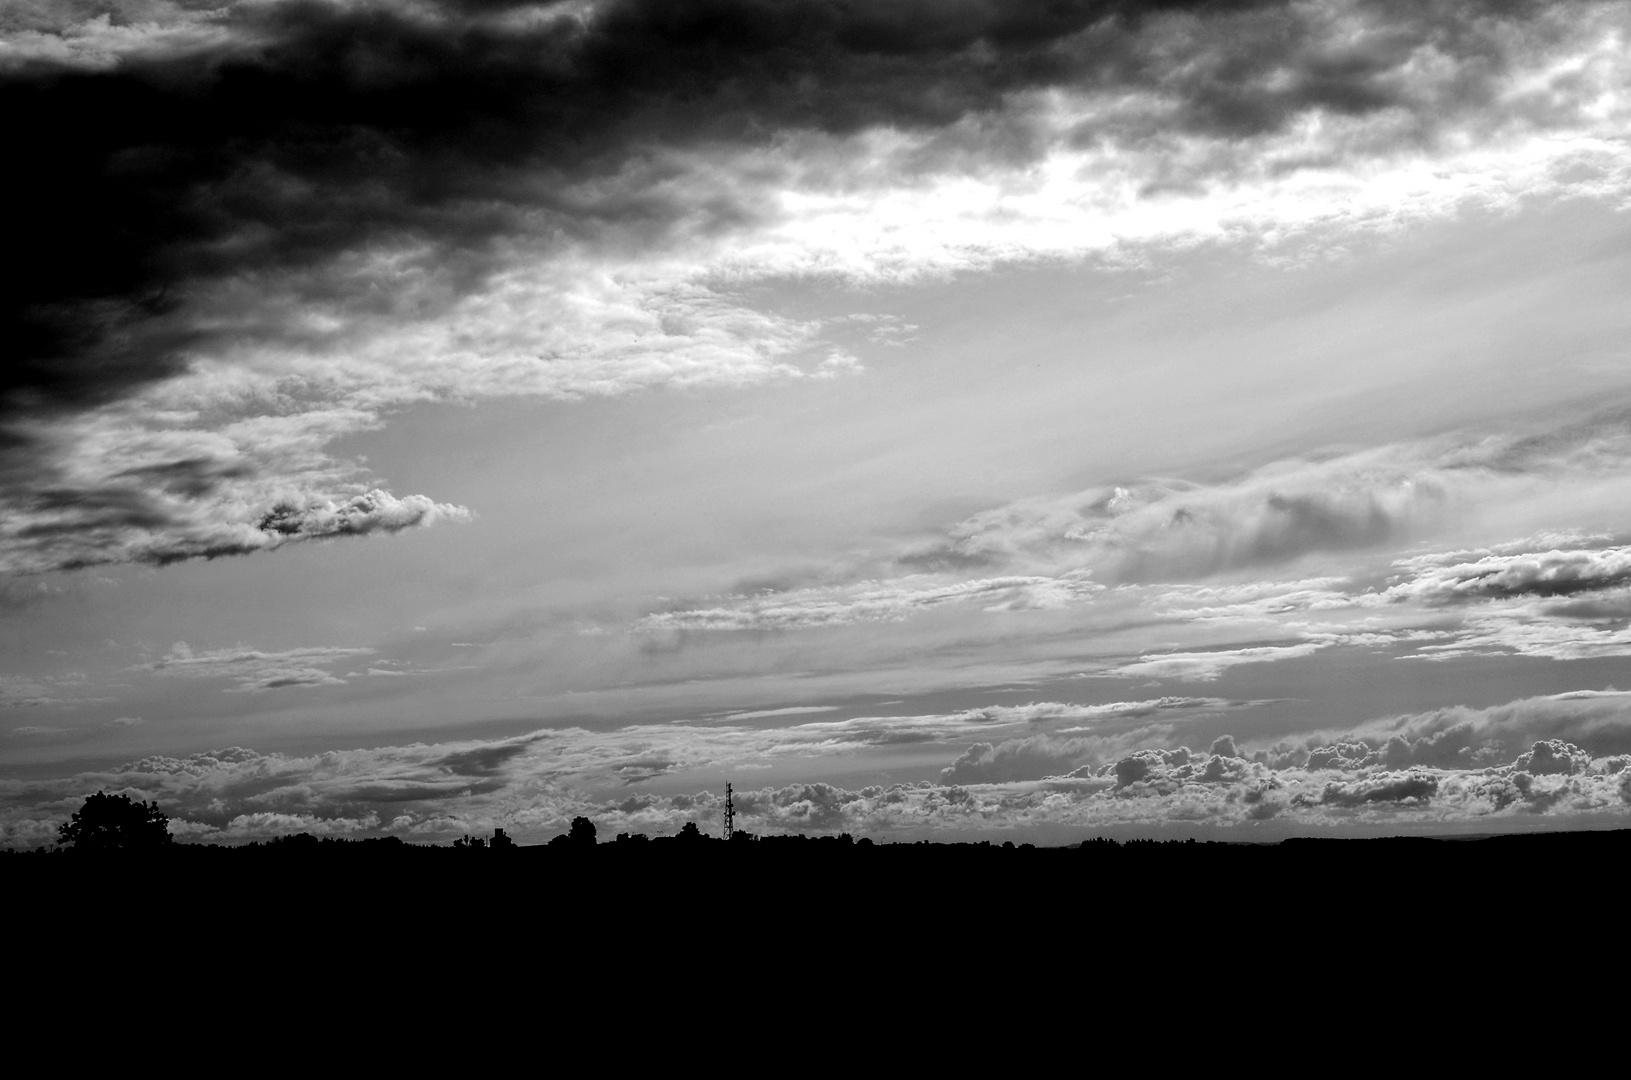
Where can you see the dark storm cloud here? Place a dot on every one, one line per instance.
(163, 514)
(281, 136)
(642, 769)
(1416, 787)
(483, 760)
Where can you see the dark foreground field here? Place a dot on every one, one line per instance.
(829, 879)
(820, 938)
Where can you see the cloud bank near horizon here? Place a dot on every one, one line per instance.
(1558, 760)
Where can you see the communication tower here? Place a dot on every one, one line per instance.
(730, 814)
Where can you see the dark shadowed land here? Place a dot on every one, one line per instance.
(804, 922)
(838, 861)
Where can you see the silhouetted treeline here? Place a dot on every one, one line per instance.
(581, 844)
(1164, 914)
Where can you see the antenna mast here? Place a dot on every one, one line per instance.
(730, 814)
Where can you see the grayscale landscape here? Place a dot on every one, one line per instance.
(978, 422)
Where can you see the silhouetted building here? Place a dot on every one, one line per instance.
(502, 841)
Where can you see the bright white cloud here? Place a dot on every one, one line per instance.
(1206, 666)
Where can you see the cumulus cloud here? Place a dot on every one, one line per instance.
(263, 825)
(1562, 758)
(1553, 756)
(1597, 720)
(1016, 759)
(1157, 789)
(1410, 787)
(306, 213)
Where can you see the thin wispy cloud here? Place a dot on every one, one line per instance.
(791, 710)
(254, 670)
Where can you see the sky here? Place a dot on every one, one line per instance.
(967, 419)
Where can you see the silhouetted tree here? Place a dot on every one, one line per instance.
(116, 823)
(690, 832)
(583, 831)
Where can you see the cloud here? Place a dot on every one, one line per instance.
(1506, 633)
(1016, 759)
(1562, 758)
(1157, 790)
(1411, 787)
(308, 213)
(1553, 573)
(255, 670)
(1161, 530)
(870, 602)
(482, 761)
(792, 710)
(1522, 598)
(60, 527)
(1597, 720)
(1206, 553)
(1166, 530)
(66, 689)
(1112, 724)
(1207, 666)
(265, 824)
(22, 691)
(1551, 757)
